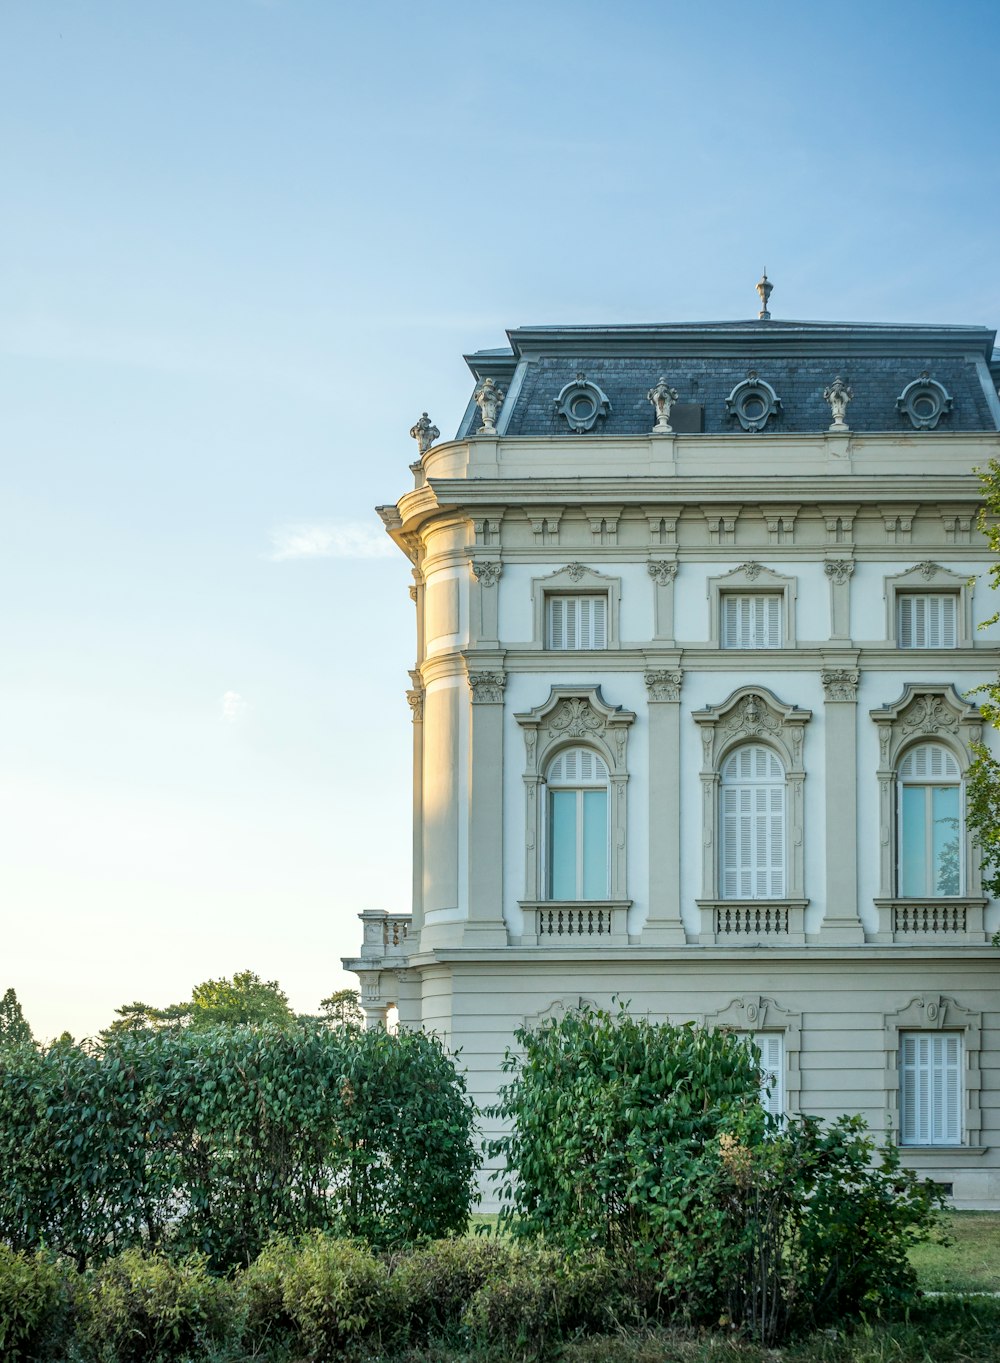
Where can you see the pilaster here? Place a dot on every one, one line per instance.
(839, 571)
(842, 922)
(484, 926)
(663, 926)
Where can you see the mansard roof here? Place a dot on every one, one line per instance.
(704, 361)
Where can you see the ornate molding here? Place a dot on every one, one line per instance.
(839, 570)
(662, 571)
(924, 402)
(575, 571)
(424, 432)
(841, 684)
(487, 571)
(664, 685)
(487, 687)
(753, 403)
(751, 571)
(582, 402)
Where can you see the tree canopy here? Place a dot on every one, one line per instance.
(14, 1029)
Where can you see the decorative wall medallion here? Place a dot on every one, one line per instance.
(753, 402)
(751, 570)
(926, 569)
(663, 685)
(576, 717)
(487, 571)
(841, 684)
(487, 687)
(663, 397)
(662, 571)
(924, 402)
(575, 570)
(581, 403)
(838, 395)
(424, 432)
(839, 570)
(488, 397)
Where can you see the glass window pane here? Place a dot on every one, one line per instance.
(944, 804)
(595, 844)
(562, 844)
(912, 842)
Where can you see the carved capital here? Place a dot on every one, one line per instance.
(413, 594)
(487, 687)
(839, 570)
(487, 571)
(662, 571)
(664, 685)
(840, 684)
(415, 700)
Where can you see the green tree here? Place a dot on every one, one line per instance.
(983, 779)
(342, 1009)
(14, 1029)
(244, 1000)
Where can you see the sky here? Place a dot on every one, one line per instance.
(243, 244)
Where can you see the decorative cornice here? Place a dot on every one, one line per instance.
(664, 685)
(487, 687)
(841, 684)
(487, 571)
(662, 571)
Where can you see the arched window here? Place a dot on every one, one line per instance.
(577, 825)
(752, 815)
(930, 836)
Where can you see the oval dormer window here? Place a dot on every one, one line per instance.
(581, 403)
(752, 403)
(924, 402)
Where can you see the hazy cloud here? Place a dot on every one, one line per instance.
(234, 707)
(330, 539)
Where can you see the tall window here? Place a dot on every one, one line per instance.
(927, 620)
(578, 826)
(751, 621)
(930, 1088)
(752, 814)
(772, 1067)
(576, 621)
(930, 837)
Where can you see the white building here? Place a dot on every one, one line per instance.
(696, 631)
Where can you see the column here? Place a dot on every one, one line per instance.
(663, 925)
(842, 923)
(839, 571)
(484, 926)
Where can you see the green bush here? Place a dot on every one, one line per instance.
(435, 1285)
(35, 1301)
(148, 1309)
(325, 1297)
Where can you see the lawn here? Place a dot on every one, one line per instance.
(970, 1263)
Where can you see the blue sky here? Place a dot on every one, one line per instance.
(244, 244)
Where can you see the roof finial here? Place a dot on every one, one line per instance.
(764, 287)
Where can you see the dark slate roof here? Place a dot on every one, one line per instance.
(705, 361)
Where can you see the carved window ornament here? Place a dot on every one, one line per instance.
(936, 1013)
(930, 580)
(924, 402)
(574, 717)
(582, 402)
(575, 579)
(752, 1013)
(753, 403)
(925, 712)
(752, 715)
(752, 579)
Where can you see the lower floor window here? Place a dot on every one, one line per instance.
(930, 1088)
(772, 1066)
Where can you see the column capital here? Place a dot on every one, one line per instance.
(840, 683)
(487, 687)
(663, 684)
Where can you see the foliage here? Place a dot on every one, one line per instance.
(213, 1140)
(438, 1282)
(244, 1000)
(144, 1309)
(649, 1141)
(34, 1301)
(343, 1009)
(983, 776)
(14, 1029)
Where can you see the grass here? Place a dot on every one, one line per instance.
(969, 1263)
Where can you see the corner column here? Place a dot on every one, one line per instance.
(485, 926)
(842, 922)
(663, 926)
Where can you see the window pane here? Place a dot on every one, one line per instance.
(562, 844)
(595, 844)
(912, 841)
(944, 804)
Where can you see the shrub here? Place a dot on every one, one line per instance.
(34, 1305)
(141, 1309)
(435, 1285)
(326, 1297)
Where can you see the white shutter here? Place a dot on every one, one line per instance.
(772, 1071)
(927, 620)
(577, 622)
(930, 1088)
(557, 621)
(751, 621)
(730, 843)
(772, 623)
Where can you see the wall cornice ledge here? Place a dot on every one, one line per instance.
(900, 954)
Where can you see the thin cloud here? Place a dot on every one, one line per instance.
(234, 707)
(329, 539)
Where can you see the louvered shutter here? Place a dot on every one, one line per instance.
(730, 621)
(557, 621)
(752, 814)
(577, 622)
(730, 843)
(930, 1088)
(751, 621)
(772, 1065)
(926, 620)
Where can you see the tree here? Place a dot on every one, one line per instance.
(342, 1009)
(983, 779)
(14, 1029)
(245, 999)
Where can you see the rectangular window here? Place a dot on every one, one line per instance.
(578, 844)
(930, 1088)
(927, 620)
(751, 621)
(576, 622)
(929, 841)
(772, 1070)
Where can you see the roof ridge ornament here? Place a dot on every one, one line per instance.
(424, 432)
(663, 397)
(838, 395)
(488, 397)
(764, 288)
